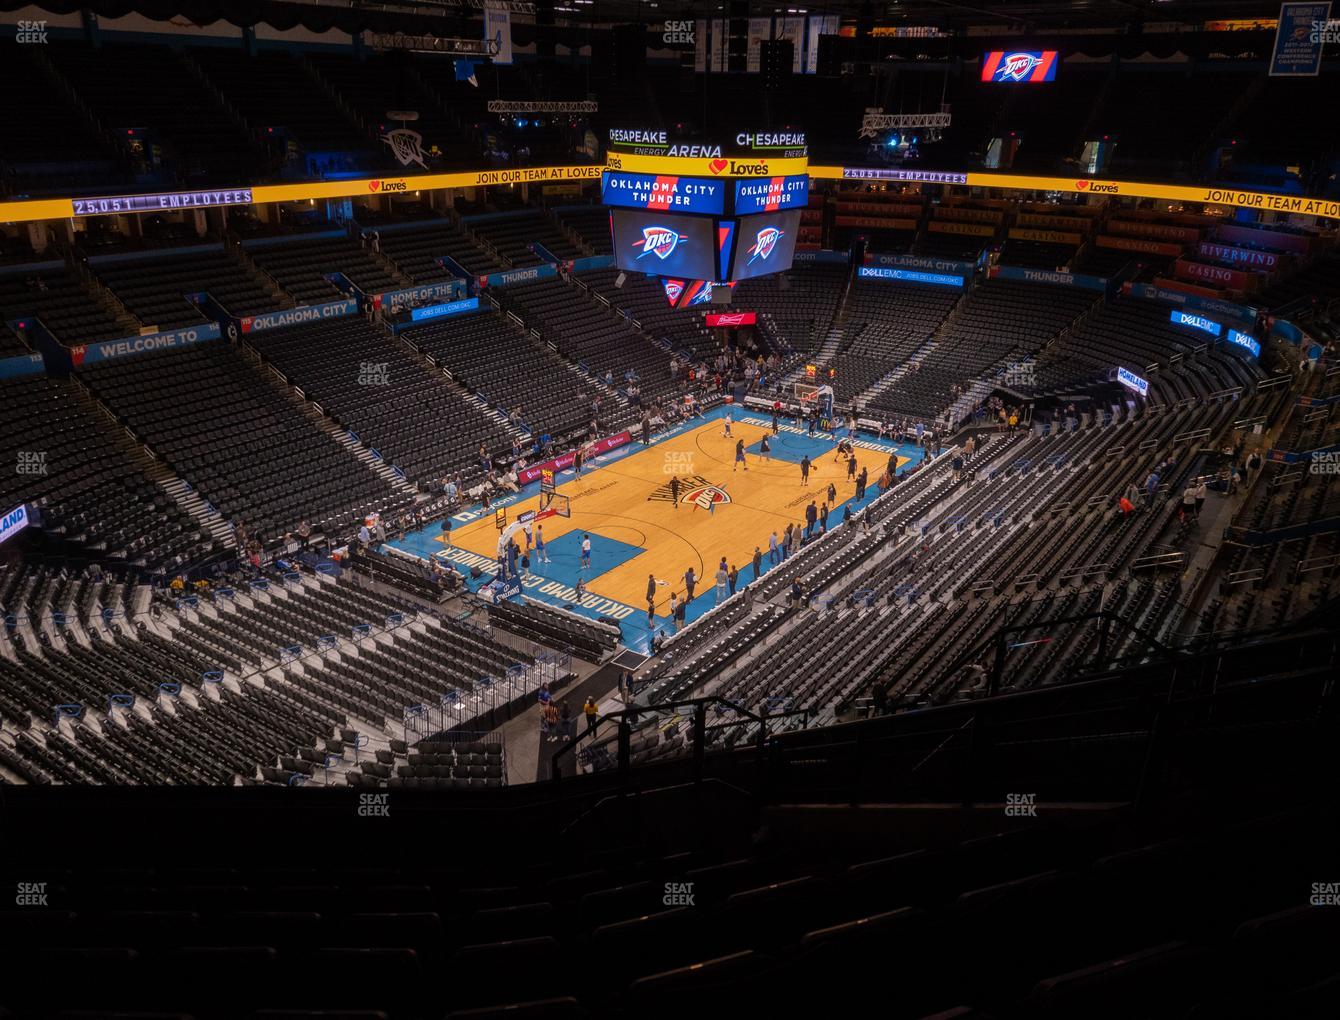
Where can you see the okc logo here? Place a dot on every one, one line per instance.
(1017, 66)
(706, 496)
(658, 241)
(764, 243)
(673, 288)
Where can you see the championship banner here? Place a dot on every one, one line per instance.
(1045, 236)
(1138, 244)
(1298, 40)
(969, 229)
(498, 31)
(819, 26)
(760, 29)
(109, 350)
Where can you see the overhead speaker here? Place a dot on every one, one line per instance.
(619, 280)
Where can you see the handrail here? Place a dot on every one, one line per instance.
(699, 724)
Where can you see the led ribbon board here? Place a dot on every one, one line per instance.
(1179, 318)
(664, 193)
(440, 311)
(771, 195)
(1244, 341)
(908, 276)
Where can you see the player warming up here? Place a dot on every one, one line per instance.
(739, 456)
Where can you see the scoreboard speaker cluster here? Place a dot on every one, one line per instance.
(702, 216)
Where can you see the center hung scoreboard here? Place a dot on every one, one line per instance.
(700, 217)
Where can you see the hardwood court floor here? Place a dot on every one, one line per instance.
(636, 530)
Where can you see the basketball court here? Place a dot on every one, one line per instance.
(624, 502)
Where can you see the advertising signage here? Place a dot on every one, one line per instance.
(1132, 381)
(909, 276)
(1246, 342)
(1180, 318)
(160, 202)
(732, 319)
(664, 194)
(772, 194)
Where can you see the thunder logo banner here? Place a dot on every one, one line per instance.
(1012, 67)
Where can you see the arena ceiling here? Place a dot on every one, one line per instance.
(955, 15)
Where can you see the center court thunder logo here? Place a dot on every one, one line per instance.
(658, 241)
(764, 244)
(693, 489)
